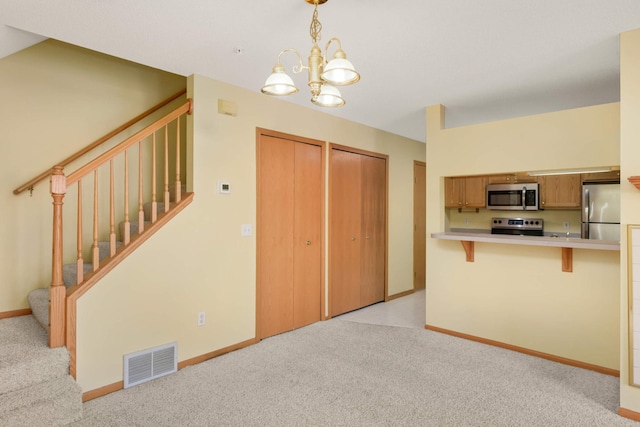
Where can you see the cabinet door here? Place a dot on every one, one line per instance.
(475, 192)
(524, 178)
(372, 258)
(346, 229)
(453, 192)
(500, 179)
(560, 191)
(602, 176)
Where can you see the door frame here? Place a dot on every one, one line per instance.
(302, 140)
(417, 163)
(385, 157)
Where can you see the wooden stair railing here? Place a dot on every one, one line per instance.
(61, 183)
(29, 184)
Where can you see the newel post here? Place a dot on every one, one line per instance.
(57, 292)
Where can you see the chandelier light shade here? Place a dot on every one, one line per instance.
(279, 83)
(329, 96)
(339, 71)
(323, 75)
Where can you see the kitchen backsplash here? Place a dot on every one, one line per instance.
(554, 220)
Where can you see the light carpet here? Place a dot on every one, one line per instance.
(341, 373)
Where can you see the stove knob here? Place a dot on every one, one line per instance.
(526, 223)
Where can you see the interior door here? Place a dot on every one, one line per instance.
(290, 201)
(419, 224)
(307, 235)
(345, 217)
(372, 259)
(274, 235)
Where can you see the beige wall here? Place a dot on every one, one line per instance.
(518, 294)
(56, 99)
(630, 197)
(199, 261)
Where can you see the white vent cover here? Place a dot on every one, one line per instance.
(149, 364)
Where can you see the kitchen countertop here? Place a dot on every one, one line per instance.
(473, 235)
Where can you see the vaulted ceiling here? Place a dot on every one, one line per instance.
(484, 60)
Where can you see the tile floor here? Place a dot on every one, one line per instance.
(406, 312)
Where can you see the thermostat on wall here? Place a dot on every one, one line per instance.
(224, 187)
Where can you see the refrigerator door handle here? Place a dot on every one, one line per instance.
(585, 205)
(585, 230)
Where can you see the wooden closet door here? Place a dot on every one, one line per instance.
(307, 235)
(372, 258)
(345, 217)
(275, 235)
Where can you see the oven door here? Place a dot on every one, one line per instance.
(512, 197)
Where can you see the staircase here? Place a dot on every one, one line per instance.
(39, 298)
(35, 386)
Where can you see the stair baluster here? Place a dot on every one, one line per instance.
(80, 260)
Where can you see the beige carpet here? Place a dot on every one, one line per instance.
(341, 373)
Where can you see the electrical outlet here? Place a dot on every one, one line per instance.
(566, 225)
(201, 318)
(246, 230)
(466, 221)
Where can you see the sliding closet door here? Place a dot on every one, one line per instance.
(372, 259)
(289, 234)
(345, 217)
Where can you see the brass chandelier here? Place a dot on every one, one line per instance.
(324, 75)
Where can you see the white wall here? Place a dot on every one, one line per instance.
(518, 294)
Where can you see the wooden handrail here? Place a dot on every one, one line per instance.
(124, 145)
(85, 150)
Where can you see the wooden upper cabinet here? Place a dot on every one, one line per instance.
(453, 192)
(602, 176)
(510, 178)
(524, 178)
(465, 192)
(501, 179)
(560, 191)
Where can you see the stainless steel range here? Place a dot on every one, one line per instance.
(517, 226)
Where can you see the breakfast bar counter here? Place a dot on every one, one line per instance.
(468, 238)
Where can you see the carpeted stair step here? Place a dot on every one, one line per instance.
(105, 249)
(133, 228)
(148, 210)
(70, 273)
(25, 357)
(39, 303)
(56, 402)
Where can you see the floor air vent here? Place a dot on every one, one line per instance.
(149, 364)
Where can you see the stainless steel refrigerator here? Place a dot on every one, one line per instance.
(601, 211)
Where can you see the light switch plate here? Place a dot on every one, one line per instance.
(246, 230)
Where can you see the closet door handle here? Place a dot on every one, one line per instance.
(353, 238)
(308, 242)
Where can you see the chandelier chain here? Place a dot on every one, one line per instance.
(316, 26)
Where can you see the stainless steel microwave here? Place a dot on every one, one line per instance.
(513, 197)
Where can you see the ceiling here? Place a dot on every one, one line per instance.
(484, 60)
